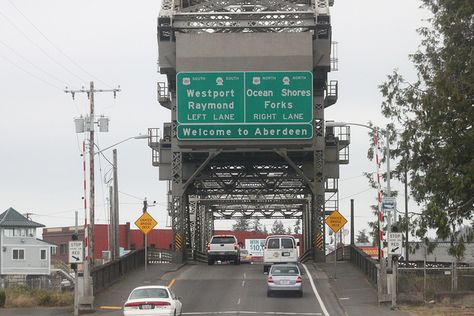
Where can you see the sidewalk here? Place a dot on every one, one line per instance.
(113, 298)
(355, 293)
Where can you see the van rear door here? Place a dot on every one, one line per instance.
(280, 249)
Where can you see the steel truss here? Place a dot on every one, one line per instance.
(241, 16)
(225, 184)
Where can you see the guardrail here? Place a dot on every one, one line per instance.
(365, 263)
(104, 275)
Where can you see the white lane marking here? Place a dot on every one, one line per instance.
(345, 298)
(250, 313)
(238, 302)
(245, 275)
(321, 303)
(243, 283)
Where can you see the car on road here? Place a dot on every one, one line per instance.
(223, 248)
(285, 278)
(245, 256)
(279, 249)
(152, 300)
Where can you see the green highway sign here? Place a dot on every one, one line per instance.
(249, 131)
(213, 102)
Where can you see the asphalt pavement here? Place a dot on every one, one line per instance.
(226, 289)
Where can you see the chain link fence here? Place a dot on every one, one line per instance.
(426, 283)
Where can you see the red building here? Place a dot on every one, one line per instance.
(129, 238)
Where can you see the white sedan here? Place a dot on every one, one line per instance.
(152, 300)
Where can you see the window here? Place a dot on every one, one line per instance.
(287, 243)
(62, 249)
(8, 232)
(53, 250)
(223, 240)
(18, 254)
(274, 243)
(149, 293)
(43, 254)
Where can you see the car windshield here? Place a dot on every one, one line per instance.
(149, 293)
(282, 270)
(287, 243)
(223, 240)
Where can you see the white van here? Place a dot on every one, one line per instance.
(279, 249)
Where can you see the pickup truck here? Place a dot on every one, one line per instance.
(223, 248)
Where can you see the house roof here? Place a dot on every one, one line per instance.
(11, 218)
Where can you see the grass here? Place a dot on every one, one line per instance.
(24, 297)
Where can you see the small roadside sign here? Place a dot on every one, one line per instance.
(335, 221)
(395, 244)
(389, 203)
(146, 223)
(76, 252)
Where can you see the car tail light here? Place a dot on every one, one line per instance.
(298, 279)
(270, 279)
(236, 246)
(208, 247)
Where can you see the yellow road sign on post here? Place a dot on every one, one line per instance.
(145, 223)
(335, 221)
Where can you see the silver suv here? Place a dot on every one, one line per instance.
(223, 248)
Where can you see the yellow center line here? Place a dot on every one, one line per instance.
(171, 283)
(111, 307)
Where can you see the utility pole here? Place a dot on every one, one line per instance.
(116, 222)
(145, 238)
(352, 223)
(406, 215)
(89, 229)
(111, 223)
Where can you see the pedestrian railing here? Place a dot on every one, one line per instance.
(365, 263)
(160, 256)
(105, 275)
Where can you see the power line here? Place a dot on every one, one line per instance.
(56, 47)
(31, 74)
(33, 64)
(39, 47)
(346, 197)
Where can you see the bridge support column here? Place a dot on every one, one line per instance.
(317, 205)
(178, 207)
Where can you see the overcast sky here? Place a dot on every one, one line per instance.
(50, 44)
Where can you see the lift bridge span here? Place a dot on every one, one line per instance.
(247, 86)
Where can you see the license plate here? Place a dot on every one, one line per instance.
(284, 282)
(146, 306)
(285, 254)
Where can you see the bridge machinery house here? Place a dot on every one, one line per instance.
(23, 257)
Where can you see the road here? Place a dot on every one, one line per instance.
(226, 289)
(223, 289)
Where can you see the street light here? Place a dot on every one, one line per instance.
(114, 202)
(141, 136)
(379, 190)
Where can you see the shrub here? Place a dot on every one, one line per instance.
(3, 298)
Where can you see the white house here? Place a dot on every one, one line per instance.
(21, 253)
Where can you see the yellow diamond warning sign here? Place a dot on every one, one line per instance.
(335, 221)
(146, 223)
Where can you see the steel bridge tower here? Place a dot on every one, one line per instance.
(257, 178)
